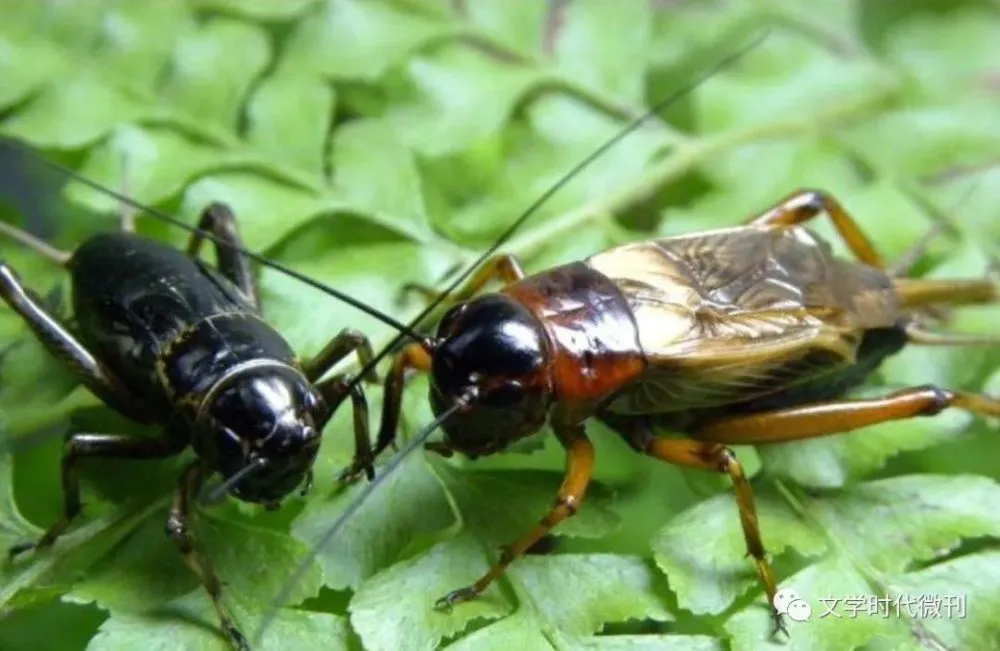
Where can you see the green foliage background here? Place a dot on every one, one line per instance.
(370, 143)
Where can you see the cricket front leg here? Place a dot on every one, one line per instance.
(107, 446)
(179, 531)
(579, 468)
(413, 357)
(333, 391)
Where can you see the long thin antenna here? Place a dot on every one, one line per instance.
(657, 108)
(216, 494)
(338, 524)
(404, 330)
(420, 438)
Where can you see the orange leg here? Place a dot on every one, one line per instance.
(579, 467)
(839, 416)
(919, 293)
(412, 357)
(803, 205)
(717, 458)
(503, 267)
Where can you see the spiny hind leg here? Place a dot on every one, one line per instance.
(62, 345)
(413, 357)
(716, 458)
(803, 205)
(504, 267)
(106, 446)
(840, 416)
(579, 468)
(219, 220)
(179, 531)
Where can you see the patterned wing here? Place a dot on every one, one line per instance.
(738, 313)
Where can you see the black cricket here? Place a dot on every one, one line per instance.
(165, 339)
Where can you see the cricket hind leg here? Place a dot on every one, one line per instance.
(106, 446)
(804, 205)
(579, 468)
(931, 296)
(219, 220)
(712, 457)
(817, 419)
(62, 345)
(179, 531)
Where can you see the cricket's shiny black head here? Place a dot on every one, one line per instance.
(265, 418)
(495, 349)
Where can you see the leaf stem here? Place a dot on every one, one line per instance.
(685, 158)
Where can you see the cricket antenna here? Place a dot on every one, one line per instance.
(339, 523)
(403, 329)
(215, 495)
(656, 109)
(429, 344)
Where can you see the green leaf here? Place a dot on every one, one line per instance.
(703, 553)
(24, 66)
(261, 9)
(600, 45)
(917, 518)
(376, 173)
(13, 527)
(146, 579)
(206, 79)
(369, 144)
(455, 98)
(578, 594)
(355, 39)
(950, 136)
(947, 58)
(301, 143)
(72, 114)
(395, 609)
(292, 630)
(518, 24)
(955, 601)
(149, 165)
(410, 504)
(820, 584)
(643, 642)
